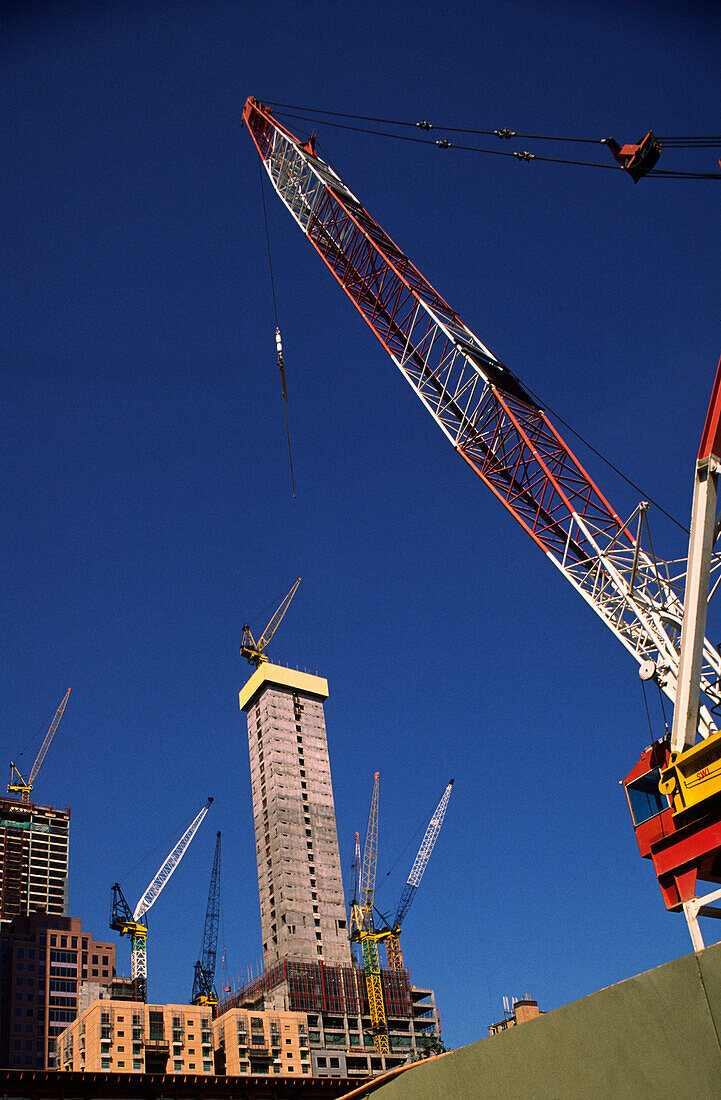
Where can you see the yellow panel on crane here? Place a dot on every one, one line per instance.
(693, 776)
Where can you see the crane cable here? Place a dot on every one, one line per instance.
(539, 400)
(699, 141)
(281, 364)
(288, 111)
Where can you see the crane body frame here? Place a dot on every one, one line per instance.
(674, 792)
(255, 652)
(488, 416)
(499, 429)
(17, 784)
(393, 943)
(133, 923)
(362, 926)
(122, 921)
(700, 554)
(204, 989)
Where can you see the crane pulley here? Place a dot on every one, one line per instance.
(23, 787)
(255, 652)
(133, 922)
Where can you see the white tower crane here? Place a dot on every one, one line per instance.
(133, 923)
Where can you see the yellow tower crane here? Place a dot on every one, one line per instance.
(23, 787)
(364, 931)
(253, 651)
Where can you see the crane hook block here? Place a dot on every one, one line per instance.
(637, 159)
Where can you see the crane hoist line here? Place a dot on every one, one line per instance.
(490, 418)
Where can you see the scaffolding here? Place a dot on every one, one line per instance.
(329, 988)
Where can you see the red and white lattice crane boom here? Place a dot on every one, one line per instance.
(489, 417)
(498, 427)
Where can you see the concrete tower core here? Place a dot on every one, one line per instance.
(302, 908)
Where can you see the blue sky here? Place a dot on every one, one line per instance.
(146, 504)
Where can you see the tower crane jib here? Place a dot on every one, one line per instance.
(166, 869)
(133, 923)
(17, 784)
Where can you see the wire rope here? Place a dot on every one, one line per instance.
(680, 142)
(277, 327)
(287, 111)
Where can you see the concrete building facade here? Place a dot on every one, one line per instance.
(334, 999)
(262, 1043)
(34, 850)
(302, 905)
(131, 1037)
(43, 962)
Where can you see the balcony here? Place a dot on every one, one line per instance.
(157, 1045)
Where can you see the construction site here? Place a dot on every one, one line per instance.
(343, 1002)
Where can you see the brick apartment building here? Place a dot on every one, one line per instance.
(43, 961)
(131, 1037)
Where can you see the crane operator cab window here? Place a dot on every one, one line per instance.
(644, 798)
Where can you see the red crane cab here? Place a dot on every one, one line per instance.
(683, 846)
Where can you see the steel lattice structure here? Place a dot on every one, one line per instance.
(204, 990)
(488, 416)
(393, 943)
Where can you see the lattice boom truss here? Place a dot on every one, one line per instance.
(487, 414)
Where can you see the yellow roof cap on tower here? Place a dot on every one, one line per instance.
(283, 677)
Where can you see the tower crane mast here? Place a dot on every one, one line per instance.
(489, 417)
(364, 931)
(204, 990)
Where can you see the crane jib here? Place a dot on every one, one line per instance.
(487, 414)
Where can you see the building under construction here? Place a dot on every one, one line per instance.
(335, 1001)
(306, 947)
(34, 844)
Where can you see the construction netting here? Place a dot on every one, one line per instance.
(324, 987)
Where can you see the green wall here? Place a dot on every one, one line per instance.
(653, 1036)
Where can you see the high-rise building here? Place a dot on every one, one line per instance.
(43, 962)
(306, 951)
(34, 844)
(302, 906)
